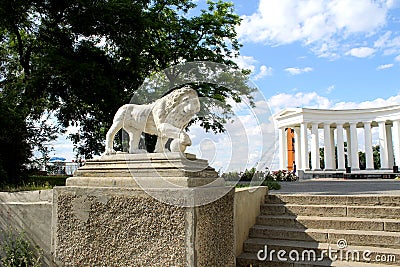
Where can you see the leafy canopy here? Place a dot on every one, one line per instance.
(83, 59)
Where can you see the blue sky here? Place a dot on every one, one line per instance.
(331, 54)
(313, 53)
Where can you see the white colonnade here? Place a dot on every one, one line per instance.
(338, 127)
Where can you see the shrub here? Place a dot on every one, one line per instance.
(18, 251)
(231, 176)
(272, 185)
(252, 174)
(284, 175)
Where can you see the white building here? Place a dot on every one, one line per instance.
(339, 126)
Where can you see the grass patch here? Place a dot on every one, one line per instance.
(36, 182)
(272, 185)
(52, 180)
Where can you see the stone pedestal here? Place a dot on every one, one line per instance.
(144, 210)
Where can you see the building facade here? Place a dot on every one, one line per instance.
(339, 127)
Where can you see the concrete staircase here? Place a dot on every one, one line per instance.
(303, 224)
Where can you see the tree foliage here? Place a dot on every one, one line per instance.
(83, 59)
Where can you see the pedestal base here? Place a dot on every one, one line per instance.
(127, 227)
(117, 211)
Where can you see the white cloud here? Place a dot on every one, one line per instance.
(311, 100)
(379, 102)
(321, 24)
(264, 71)
(397, 58)
(390, 45)
(297, 71)
(330, 89)
(246, 62)
(385, 66)
(249, 63)
(361, 52)
(314, 100)
(382, 41)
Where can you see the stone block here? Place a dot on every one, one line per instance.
(121, 210)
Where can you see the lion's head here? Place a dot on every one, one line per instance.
(179, 106)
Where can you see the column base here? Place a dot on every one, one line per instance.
(355, 169)
(329, 170)
(370, 169)
(341, 170)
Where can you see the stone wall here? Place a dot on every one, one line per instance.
(29, 211)
(247, 207)
(122, 226)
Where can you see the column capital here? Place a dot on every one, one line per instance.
(353, 123)
(367, 122)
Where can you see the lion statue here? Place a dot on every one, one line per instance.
(166, 117)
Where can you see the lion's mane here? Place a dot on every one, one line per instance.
(171, 107)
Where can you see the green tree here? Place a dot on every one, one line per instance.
(15, 150)
(84, 59)
(23, 126)
(377, 157)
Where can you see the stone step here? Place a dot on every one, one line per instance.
(249, 259)
(359, 200)
(145, 182)
(315, 250)
(124, 172)
(339, 223)
(146, 166)
(353, 237)
(332, 210)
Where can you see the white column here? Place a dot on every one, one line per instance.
(282, 149)
(304, 146)
(327, 147)
(315, 158)
(333, 148)
(355, 165)
(396, 141)
(389, 139)
(297, 143)
(369, 157)
(383, 146)
(340, 147)
(348, 139)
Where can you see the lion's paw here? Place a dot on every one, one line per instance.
(137, 151)
(110, 151)
(185, 139)
(177, 146)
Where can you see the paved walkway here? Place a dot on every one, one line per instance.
(340, 187)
